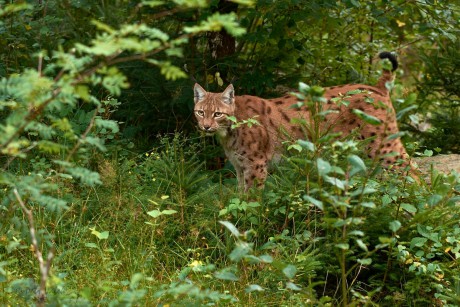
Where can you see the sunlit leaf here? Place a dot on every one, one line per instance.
(252, 288)
(226, 275)
(289, 271)
(361, 245)
(395, 225)
(231, 227)
(367, 117)
(366, 261)
(357, 164)
(292, 286)
(323, 166)
(408, 207)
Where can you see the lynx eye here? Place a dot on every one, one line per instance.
(218, 114)
(200, 113)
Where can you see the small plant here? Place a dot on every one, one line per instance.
(249, 122)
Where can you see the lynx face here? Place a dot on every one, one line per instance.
(211, 110)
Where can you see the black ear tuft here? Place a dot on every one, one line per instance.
(391, 57)
(199, 92)
(229, 94)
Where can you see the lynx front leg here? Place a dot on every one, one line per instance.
(255, 174)
(240, 177)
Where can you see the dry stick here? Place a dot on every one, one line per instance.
(44, 266)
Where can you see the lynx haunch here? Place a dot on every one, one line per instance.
(250, 149)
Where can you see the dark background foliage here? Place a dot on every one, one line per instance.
(317, 42)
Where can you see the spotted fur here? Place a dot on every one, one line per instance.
(250, 149)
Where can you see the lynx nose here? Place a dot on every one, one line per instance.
(206, 128)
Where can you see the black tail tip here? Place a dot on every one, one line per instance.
(391, 57)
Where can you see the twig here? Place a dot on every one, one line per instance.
(44, 266)
(83, 136)
(32, 114)
(40, 64)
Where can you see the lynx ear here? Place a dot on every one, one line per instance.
(229, 95)
(199, 92)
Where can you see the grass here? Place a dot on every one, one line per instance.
(284, 251)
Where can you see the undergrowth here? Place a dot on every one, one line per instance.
(330, 228)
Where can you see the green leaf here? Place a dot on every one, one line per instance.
(232, 119)
(366, 261)
(363, 191)
(408, 207)
(428, 232)
(91, 245)
(100, 235)
(135, 280)
(226, 275)
(251, 259)
(153, 3)
(171, 72)
(157, 213)
(314, 201)
(307, 145)
(396, 135)
(296, 147)
(252, 288)
(217, 22)
(253, 204)
(85, 175)
(357, 164)
(223, 211)
(395, 225)
(102, 26)
(191, 3)
(367, 118)
(266, 258)
(353, 92)
(386, 200)
(292, 286)
(108, 124)
(361, 245)
(401, 113)
(115, 82)
(289, 271)
(241, 250)
(50, 147)
(335, 182)
(343, 246)
(323, 167)
(369, 205)
(434, 199)
(249, 3)
(154, 213)
(418, 241)
(231, 227)
(103, 235)
(304, 88)
(357, 232)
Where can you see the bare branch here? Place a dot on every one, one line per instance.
(44, 266)
(83, 136)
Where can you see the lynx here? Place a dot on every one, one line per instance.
(250, 149)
